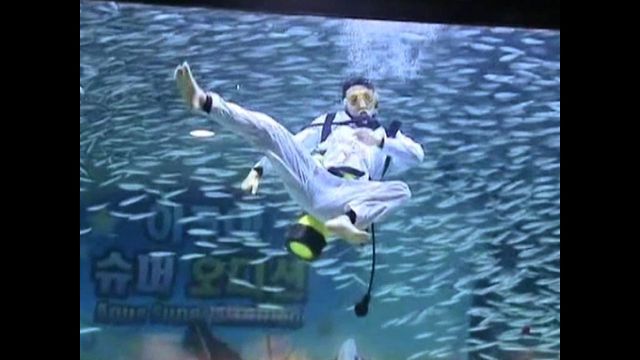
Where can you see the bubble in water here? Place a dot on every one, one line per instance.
(380, 49)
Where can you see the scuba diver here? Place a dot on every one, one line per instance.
(333, 168)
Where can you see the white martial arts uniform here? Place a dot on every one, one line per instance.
(320, 193)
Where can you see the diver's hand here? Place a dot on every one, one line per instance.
(191, 93)
(251, 182)
(368, 137)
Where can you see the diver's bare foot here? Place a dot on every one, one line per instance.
(343, 228)
(191, 93)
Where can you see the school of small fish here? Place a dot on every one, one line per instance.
(482, 232)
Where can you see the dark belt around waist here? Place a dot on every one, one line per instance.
(346, 172)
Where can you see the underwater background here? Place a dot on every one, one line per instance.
(469, 269)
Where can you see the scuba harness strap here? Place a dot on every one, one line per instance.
(326, 126)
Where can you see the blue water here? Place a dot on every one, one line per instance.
(469, 269)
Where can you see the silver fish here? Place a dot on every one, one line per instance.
(161, 253)
(273, 289)
(206, 244)
(224, 252)
(201, 232)
(89, 330)
(242, 283)
(191, 256)
(270, 306)
(132, 200)
(141, 216)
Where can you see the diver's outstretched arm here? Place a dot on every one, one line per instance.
(405, 153)
(309, 138)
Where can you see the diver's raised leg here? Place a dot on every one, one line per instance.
(292, 162)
